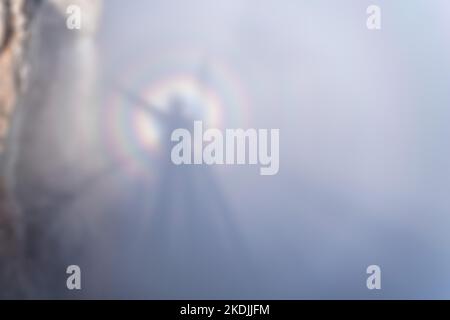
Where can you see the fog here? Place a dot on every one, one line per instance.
(364, 152)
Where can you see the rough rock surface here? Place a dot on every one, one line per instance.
(46, 74)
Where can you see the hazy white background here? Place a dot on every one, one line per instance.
(364, 162)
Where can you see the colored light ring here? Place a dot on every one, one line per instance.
(132, 138)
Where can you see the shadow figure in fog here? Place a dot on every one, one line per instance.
(192, 229)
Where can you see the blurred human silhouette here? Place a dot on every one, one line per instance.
(193, 239)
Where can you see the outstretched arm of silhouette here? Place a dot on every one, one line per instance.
(137, 101)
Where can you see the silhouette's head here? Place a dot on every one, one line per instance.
(176, 105)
